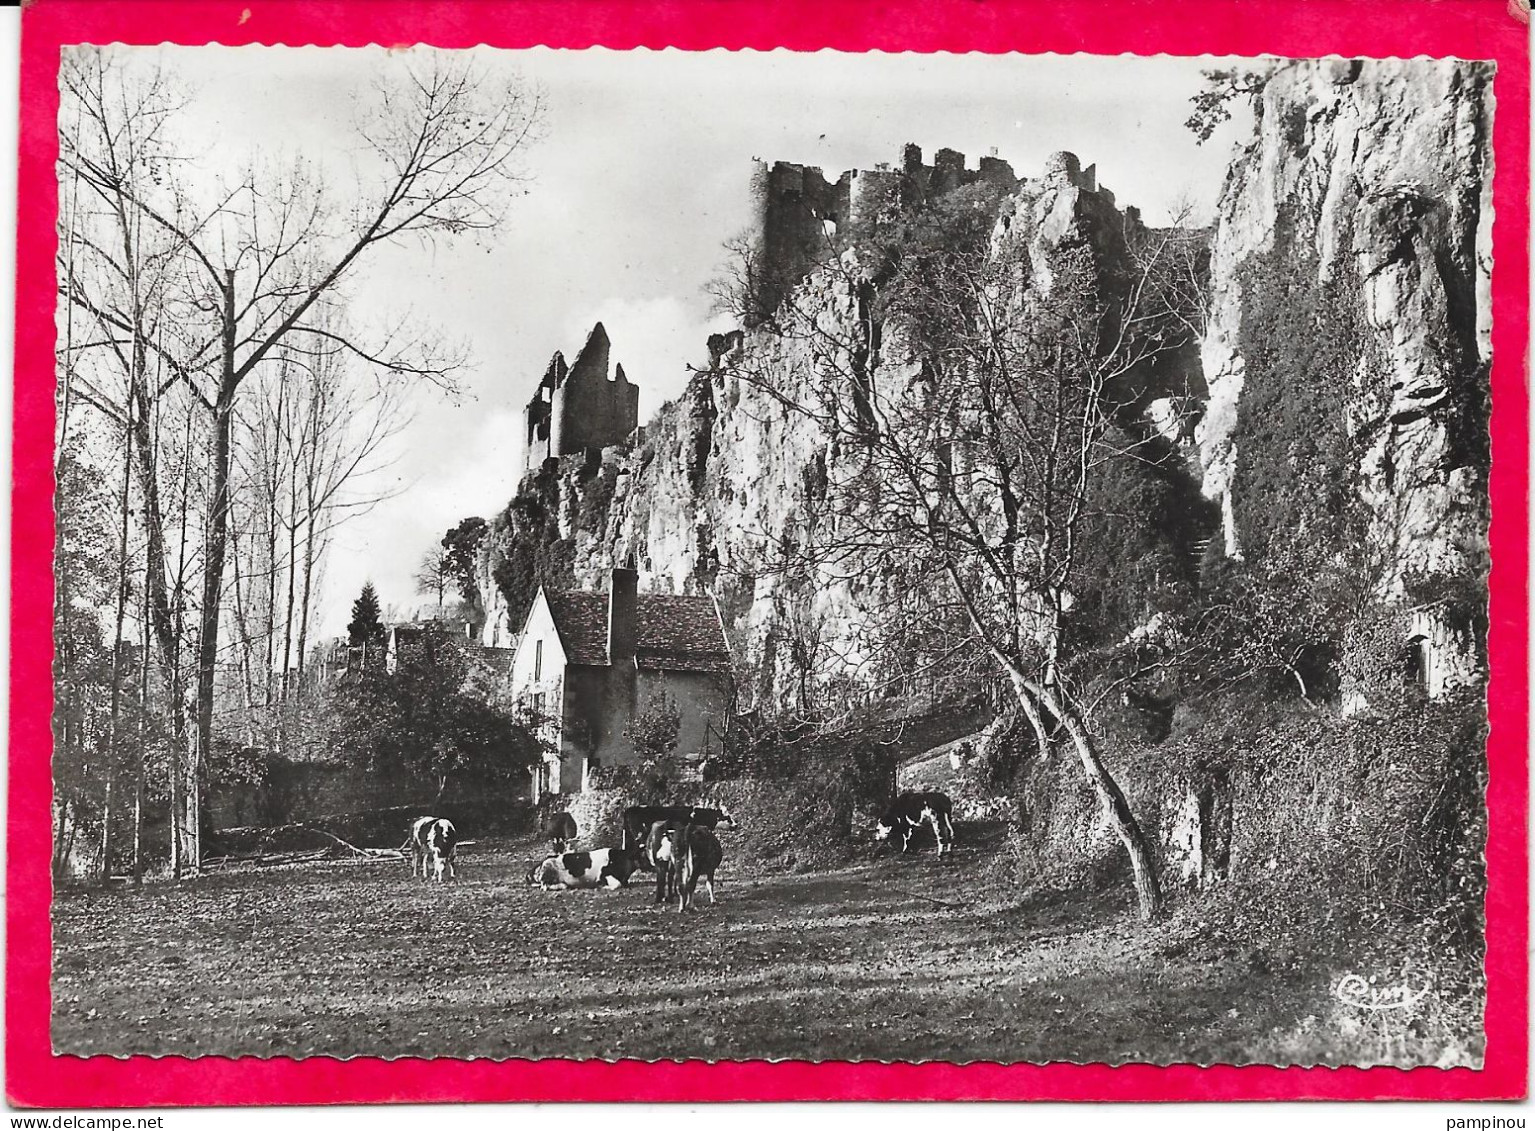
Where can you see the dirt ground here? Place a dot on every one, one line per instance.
(889, 958)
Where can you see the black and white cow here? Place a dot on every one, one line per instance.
(691, 853)
(910, 811)
(434, 848)
(605, 868)
(666, 873)
(559, 830)
(639, 819)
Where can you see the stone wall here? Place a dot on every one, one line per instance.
(581, 407)
(798, 214)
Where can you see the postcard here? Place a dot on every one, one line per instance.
(710, 552)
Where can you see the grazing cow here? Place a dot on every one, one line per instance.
(434, 848)
(638, 820)
(559, 831)
(910, 811)
(606, 867)
(691, 852)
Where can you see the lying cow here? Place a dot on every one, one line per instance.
(434, 848)
(559, 830)
(691, 853)
(639, 819)
(910, 811)
(606, 867)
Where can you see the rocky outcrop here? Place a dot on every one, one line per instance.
(714, 496)
(1372, 174)
(1377, 170)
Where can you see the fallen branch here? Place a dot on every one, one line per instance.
(269, 834)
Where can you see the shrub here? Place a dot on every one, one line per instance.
(532, 553)
(1302, 339)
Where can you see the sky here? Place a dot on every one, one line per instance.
(639, 179)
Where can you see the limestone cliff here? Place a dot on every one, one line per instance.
(707, 498)
(1376, 173)
(1365, 185)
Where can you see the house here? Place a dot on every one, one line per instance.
(589, 662)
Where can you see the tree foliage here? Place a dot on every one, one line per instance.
(532, 552)
(1212, 105)
(366, 627)
(461, 547)
(430, 721)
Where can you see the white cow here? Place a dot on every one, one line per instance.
(434, 848)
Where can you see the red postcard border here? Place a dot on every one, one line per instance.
(1477, 29)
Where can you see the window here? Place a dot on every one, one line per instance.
(538, 659)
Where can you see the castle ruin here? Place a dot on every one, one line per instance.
(797, 213)
(797, 216)
(579, 407)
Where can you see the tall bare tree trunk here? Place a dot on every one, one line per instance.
(215, 545)
(69, 841)
(117, 652)
(292, 523)
(178, 740)
(271, 488)
(60, 824)
(304, 601)
(141, 756)
(242, 625)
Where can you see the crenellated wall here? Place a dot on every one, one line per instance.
(797, 213)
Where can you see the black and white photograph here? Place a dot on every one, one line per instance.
(763, 555)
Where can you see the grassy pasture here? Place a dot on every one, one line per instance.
(887, 958)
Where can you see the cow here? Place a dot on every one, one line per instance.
(559, 830)
(605, 868)
(691, 852)
(638, 820)
(666, 873)
(434, 848)
(910, 811)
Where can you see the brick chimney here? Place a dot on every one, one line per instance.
(623, 629)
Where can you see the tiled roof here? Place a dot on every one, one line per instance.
(581, 619)
(680, 634)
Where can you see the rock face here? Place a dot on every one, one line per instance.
(709, 496)
(1378, 170)
(1374, 173)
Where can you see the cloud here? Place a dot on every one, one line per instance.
(476, 475)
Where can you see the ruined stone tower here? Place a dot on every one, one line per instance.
(579, 406)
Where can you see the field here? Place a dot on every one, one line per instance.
(887, 958)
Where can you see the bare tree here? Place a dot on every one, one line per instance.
(435, 574)
(969, 397)
(263, 262)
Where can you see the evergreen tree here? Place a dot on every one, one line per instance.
(367, 625)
